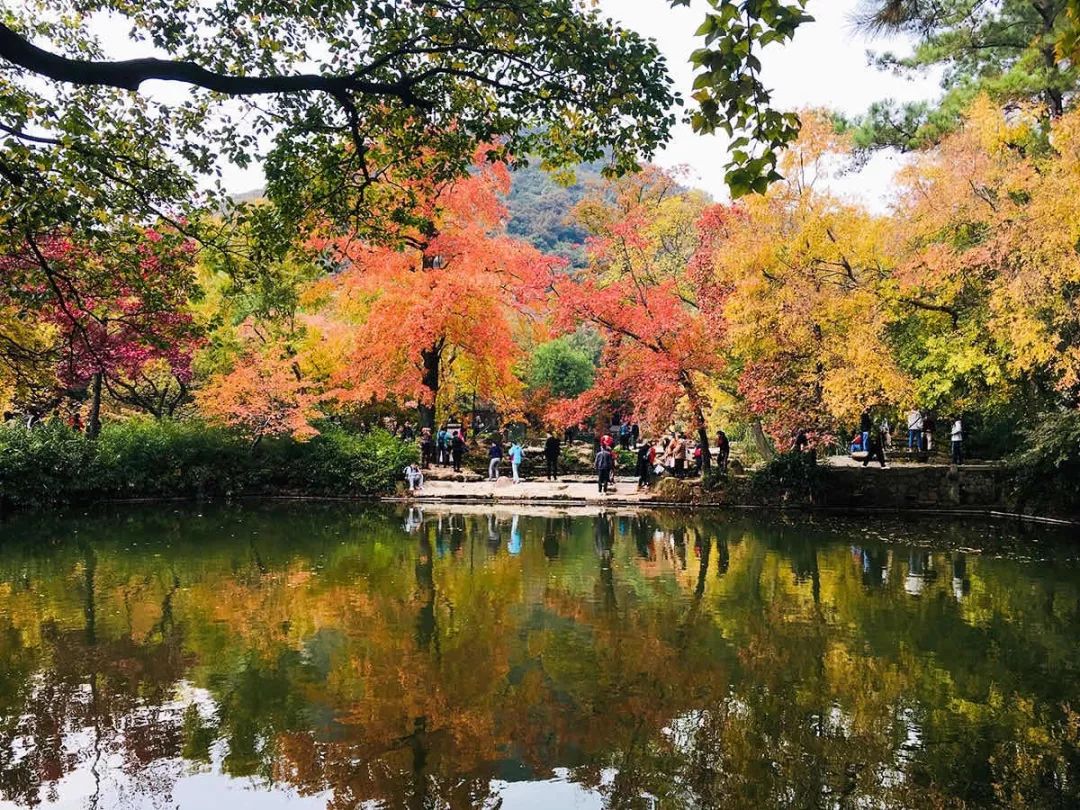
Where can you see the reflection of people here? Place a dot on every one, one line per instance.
(493, 539)
(961, 585)
(414, 518)
(514, 546)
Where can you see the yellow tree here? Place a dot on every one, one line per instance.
(807, 315)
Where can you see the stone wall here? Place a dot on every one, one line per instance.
(901, 487)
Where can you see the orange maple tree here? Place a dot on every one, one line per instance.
(441, 306)
(642, 291)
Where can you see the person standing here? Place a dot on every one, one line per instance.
(442, 446)
(635, 434)
(866, 427)
(495, 454)
(957, 437)
(914, 429)
(886, 433)
(801, 443)
(426, 448)
(929, 425)
(624, 435)
(552, 448)
(723, 450)
(457, 450)
(680, 456)
(605, 462)
(517, 455)
(646, 457)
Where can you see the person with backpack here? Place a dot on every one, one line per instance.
(442, 446)
(552, 448)
(457, 450)
(605, 463)
(517, 456)
(495, 454)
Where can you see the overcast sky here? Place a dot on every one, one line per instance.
(825, 66)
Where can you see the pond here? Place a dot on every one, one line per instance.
(313, 655)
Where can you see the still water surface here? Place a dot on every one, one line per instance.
(315, 656)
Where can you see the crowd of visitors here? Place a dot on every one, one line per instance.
(871, 444)
(671, 454)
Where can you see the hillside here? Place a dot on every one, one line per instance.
(540, 209)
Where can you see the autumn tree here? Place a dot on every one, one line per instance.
(444, 308)
(807, 313)
(116, 315)
(639, 291)
(988, 226)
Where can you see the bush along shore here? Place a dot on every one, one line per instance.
(52, 464)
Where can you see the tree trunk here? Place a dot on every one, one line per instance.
(93, 424)
(697, 413)
(432, 358)
(761, 441)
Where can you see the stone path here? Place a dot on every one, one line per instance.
(572, 488)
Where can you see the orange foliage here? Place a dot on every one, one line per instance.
(444, 308)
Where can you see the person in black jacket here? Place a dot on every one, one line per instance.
(457, 450)
(605, 463)
(552, 447)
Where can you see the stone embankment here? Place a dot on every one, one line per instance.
(983, 488)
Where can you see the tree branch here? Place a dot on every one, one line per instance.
(129, 74)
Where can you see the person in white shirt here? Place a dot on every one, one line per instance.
(914, 430)
(414, 477)
(957, 437)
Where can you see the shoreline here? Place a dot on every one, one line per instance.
(986, 513)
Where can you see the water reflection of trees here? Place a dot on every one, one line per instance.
(414, 660)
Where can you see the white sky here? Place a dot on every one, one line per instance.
(825, 66)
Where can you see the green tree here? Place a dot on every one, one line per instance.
(341, 92)
(561, 367)
(1014, 51)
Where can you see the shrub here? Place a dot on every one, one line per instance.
(1046, 468)
(789, 476)
(337, 462)
(144, 458)
(39, 466)
(155, 458)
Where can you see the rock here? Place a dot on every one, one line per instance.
(735, 467)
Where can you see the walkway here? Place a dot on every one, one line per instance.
(575, 489)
